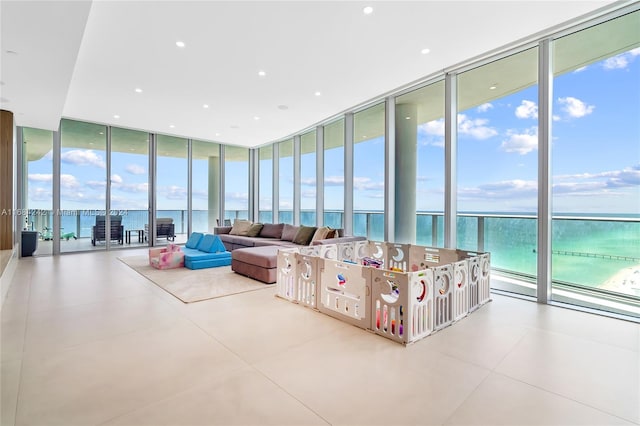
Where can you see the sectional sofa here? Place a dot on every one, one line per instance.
(249, 234)
(254, 246)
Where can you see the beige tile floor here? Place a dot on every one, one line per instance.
(88, 341)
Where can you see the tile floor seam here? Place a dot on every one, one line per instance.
(565, 397)
(261, 373)
(167, 397)
(24, 339)
(466, 398)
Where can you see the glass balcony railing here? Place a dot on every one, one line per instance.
(592, 255)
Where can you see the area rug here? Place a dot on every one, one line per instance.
(194, 286)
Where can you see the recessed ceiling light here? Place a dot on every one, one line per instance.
(90, 143)
(101, 133)
(205, 106)
(217, 134)
(171, 126)
(262, 73)
(180, 43)
(493, 86)
(116, 116)
(256, 117)
(425, 51)
(367, 10)
(138, 90)
(318, 93)
(407, 118)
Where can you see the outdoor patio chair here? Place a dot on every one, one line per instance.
(98, 231)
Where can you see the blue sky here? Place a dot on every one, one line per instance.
(595, 158)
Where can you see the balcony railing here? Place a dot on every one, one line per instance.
(587, 252)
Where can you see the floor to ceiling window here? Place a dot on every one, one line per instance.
(334, 174)
(236, 183)
(420, 119)
(171, 189)
(130, 182)
(83, 184)
(37, 148)
(308, 179)
(498, 166)
(265, 186)
(596, 167)
(205, 178)
(369, 172)
(285, 181)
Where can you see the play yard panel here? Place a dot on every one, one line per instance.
(286, 275)
(397, 257)
(461, 293)
(402, 304)
(307, 272)
(442, 296)
(345, 292)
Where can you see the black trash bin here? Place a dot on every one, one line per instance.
(29, 243)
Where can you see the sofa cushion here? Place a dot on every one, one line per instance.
(261, 257)
(321, 233)
(240, 227)
(289, 232)
(304, 235)
(193, 240)
(272, 230)
(254, 230)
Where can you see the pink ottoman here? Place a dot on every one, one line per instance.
(169, 257)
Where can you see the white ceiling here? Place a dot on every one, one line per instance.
(83, 60)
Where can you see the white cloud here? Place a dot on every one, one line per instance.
(507, 189)
(81, 157)
(69, 181)
(40, 177)
(484, 107)
(116, 179)
(366, 184)
(627, 177)
(96, 184)
(475, 128)
(433, 127)
(40, 194)
(334, 180)
(308, 181)
(555, 117)
(133, 187)
(622, 60)
(308, 194)
(575, 107)
(527, 109)
(135, 169)
(236, 196)
(521, 143)
(175, 192)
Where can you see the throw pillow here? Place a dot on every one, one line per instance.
(272, 230)
(320, 234)
(332, 233)
(304, 235)
(254, 230)
(289, 232)
(240, 227)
